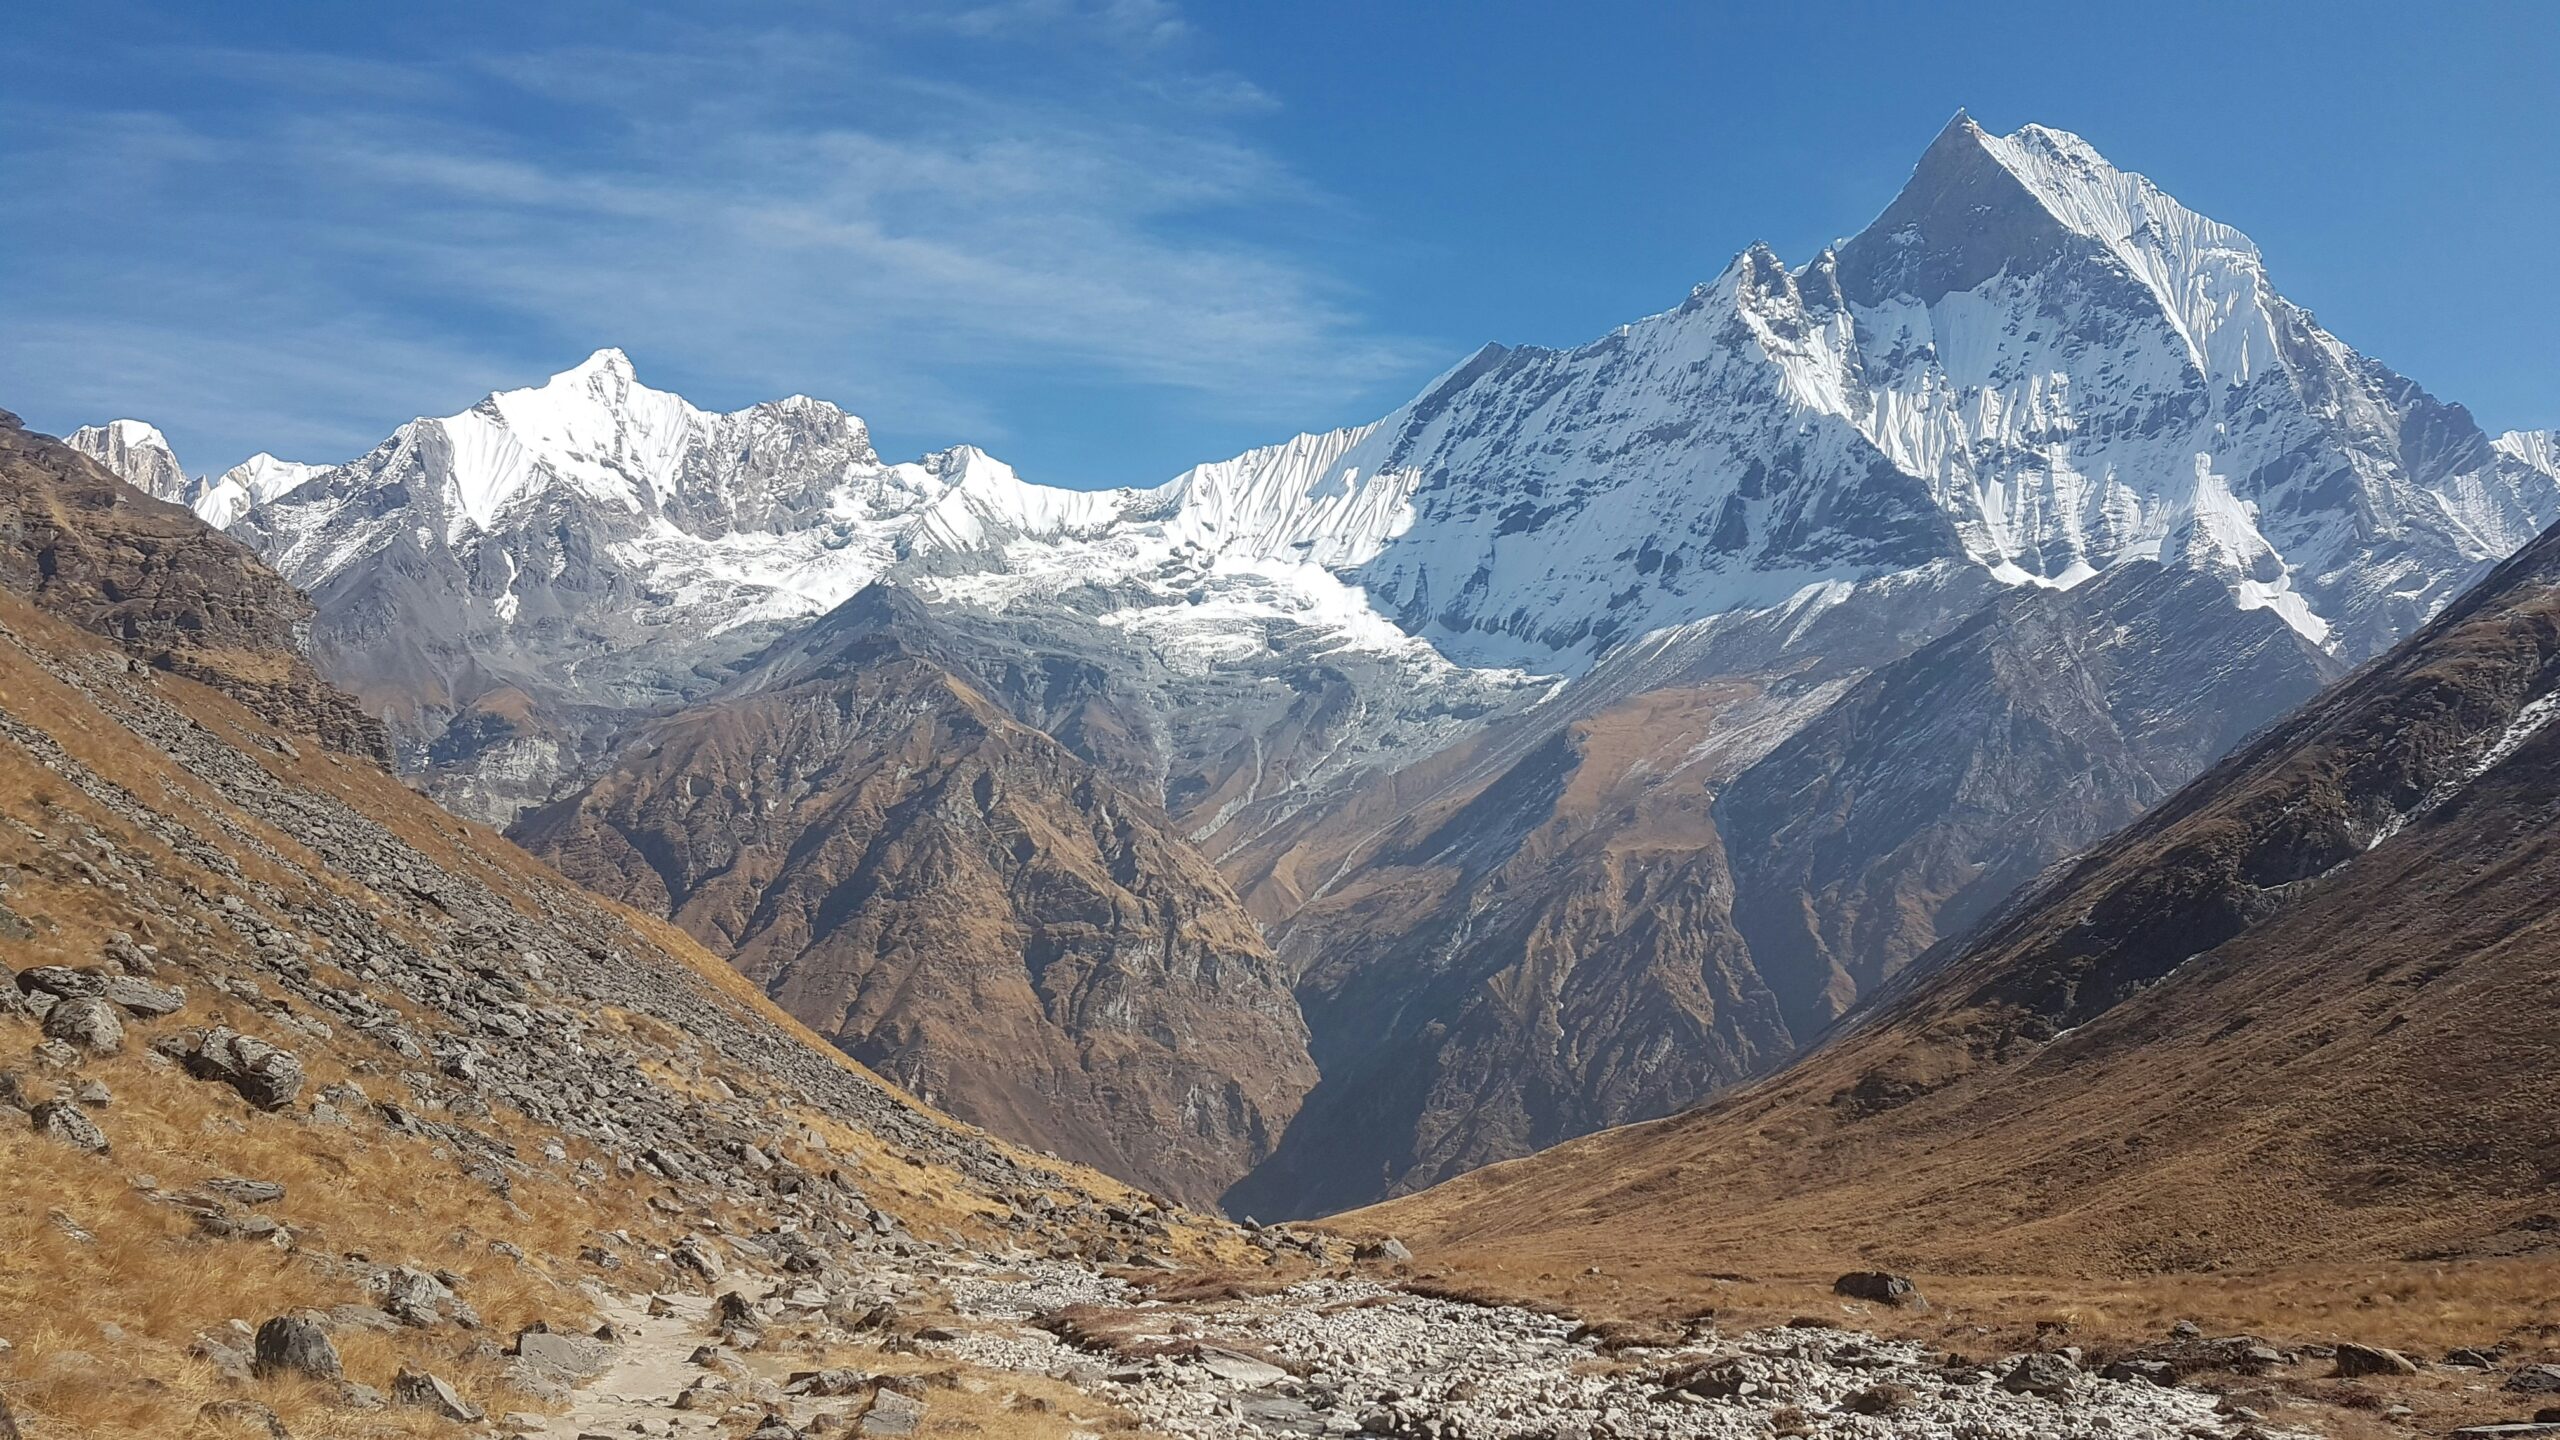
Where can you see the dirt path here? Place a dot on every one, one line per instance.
(650, 1368)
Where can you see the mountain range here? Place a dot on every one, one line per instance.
(1585, 737)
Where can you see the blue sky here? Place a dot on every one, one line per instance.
(1105, 240)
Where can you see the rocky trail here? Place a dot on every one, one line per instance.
(942, 1342)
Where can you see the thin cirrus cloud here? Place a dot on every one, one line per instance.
(750, 213)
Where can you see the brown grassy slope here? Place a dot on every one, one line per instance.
(2233, 1043)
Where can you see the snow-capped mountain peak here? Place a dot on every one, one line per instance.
(253, 482)
(138, 453)
(593, 426)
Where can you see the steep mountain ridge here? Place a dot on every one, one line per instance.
(89, 546)
(958, 900)
(1674, 892)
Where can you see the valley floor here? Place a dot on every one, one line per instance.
(1040, 1347)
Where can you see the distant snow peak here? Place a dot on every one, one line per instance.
(256, 481)
(141, 456)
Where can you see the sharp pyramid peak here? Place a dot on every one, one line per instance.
(610, 360)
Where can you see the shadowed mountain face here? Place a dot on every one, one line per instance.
(2299, 1011)
(959, 900)
(1656, 901)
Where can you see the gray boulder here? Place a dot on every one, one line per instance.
(265, 1076)
(246, 1192)
(2355, 1361)
(892, 1416)
(144, 998)
(1877, 1286)
(87, 1023)
(62, 982)
(570, 1357)
(294, 1345)
(2053, 1377)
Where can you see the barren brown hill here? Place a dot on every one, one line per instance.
(2300, 1015)
(959, 900)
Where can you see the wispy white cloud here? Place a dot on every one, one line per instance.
(750, 210)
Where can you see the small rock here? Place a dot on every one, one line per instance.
(414, 1297)
(246, 1192)
(62, 982)
(1241, 1370)
(2355, 1361)
(572, 1357)
(2154, 1372)
(1882, 1399)
(141, 998)
(431, 1393)
(227, 1360)
(2050, 1376)
(733, 1311)
(826, 1383)
(231, 1416)
(695, 1254)
(892, 1416)
(264, 1075)
(64, 1121)
(293, 1345)
(1391, 1251)
(2535, 1380)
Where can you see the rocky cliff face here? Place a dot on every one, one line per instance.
(960, 901)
